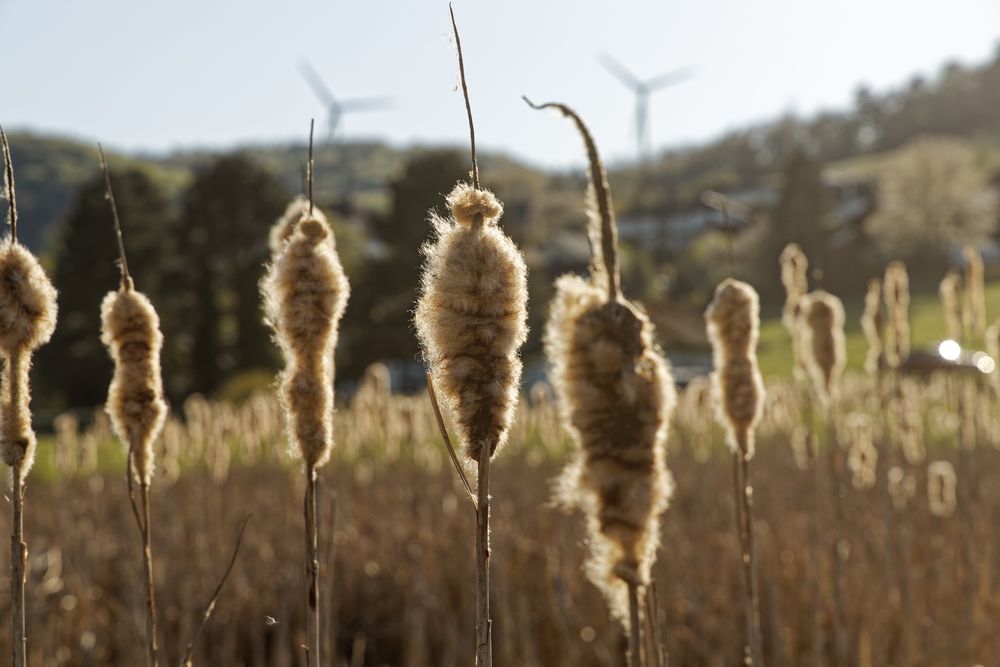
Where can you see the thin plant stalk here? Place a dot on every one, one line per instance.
(147, 564)
(18, 562)
(484, 639)
(634, 627)
(743, 496)
(312, 568)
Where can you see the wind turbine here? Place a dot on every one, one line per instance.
(335, 108)
(642, 90)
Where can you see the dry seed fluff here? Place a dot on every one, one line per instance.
(471, 317)
(897, 302)
(130, 328)
(615, 396)
(733, 320)
(305, 293)
(27, 320)
(822, 324)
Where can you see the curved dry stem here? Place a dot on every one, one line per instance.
(468, 104)
(602, 197)
(110, 196)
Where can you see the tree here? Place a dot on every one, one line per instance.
(383, 296)
(932, 196)
(85, 255)
(226, 214)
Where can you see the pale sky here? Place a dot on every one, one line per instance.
(151, 76)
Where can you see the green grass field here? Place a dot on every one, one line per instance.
(926, 328)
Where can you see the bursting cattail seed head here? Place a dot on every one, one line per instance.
(794, 265)
(873, 325)
(471, 317)
(822, 328)
(897, 301)
(305, 293)
(733, 320)
(615, 396)
(27, 320)
(130, 328)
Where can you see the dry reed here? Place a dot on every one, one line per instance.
(615, 396)
(305, 292)
(27, 320)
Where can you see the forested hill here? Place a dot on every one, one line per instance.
(958, 101)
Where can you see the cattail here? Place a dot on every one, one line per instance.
(283, 229)
(733, 327)
(615, 396)
(130, 328)
(941, 483)
(993, 349)
(471, 317)
(822, 329)
(873, 325)
(975, 297)
(794, 266)
(902, 487)
(305, 292)
(897, 300)
(950, 292)
(27, 320)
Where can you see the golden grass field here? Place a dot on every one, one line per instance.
(849, 573)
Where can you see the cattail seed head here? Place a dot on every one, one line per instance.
(822, 329)
(305, 293)
(472, 317)
(733, 320)
(873, 325)
(897, 300)
(130, 328)
(950, 292)
(615, 396)
(283, 229)
(794, 266)
(27, 320)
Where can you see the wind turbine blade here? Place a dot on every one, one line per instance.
(619, 71)
(315, 82)
(366, 104)
(670, 78)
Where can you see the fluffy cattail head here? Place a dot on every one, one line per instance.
(794, 265)
(283, 229)
(897, 300)
(873, 325)
(733, 320)
(305, 293)
(471, 318)
(615, 397)
(130, 328)
(941, 484)
(822, 326)
(27, 301)
(950, 292)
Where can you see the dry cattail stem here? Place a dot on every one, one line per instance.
(733, 328)
(615, 398)
(305, 293)
(471, 320)
(130, 328)
(27, 320)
